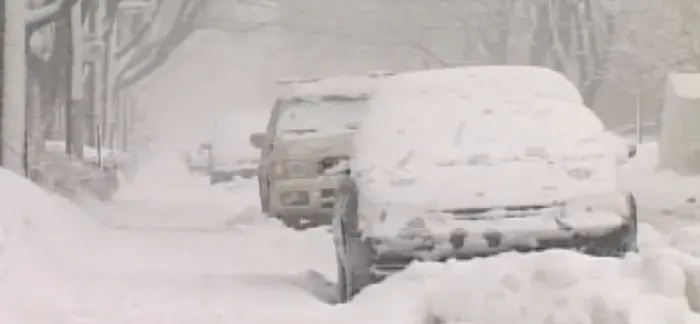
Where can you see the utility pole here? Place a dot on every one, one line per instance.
(14, 88)
(96, 59)
(75, 103)
(110, 114)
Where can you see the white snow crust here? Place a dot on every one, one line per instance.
(481, 137)
(659, 189)
(149, 258)
(173, 250)
(90, 153)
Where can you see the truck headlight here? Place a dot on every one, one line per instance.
(618, 203)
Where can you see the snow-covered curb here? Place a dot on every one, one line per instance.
(664, 190)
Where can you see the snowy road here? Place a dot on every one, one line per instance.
(172, 249)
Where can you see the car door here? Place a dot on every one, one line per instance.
(265, 161)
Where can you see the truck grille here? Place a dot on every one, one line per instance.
(502, 212)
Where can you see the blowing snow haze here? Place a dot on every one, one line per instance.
(365, 161)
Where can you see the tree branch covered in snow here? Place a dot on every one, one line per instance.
(149, 57)
(140, 35)
(48, 13)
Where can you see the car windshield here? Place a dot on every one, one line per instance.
(314, 117)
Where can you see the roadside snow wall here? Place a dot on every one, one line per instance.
(36, 222)
(679, 144)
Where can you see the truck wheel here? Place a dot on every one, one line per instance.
(358, 274)
(631, 243)
(290, 222)
(264, 199)
(215, 177)
(342, 283)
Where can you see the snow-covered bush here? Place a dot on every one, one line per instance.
(73, 178)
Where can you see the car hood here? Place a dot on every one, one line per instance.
(508, 184)
(317, 145)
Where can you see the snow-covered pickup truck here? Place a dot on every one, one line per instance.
(310, 129)
(471, 162)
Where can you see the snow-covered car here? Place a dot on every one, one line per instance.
(231, 154)
(198, 160)
(471, 162)
(309, 130)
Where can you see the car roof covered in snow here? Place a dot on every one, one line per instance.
(438, 115)
(338, 87)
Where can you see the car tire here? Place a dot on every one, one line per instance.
(216, 177)
(631, 242)
(290, 222)
(357, 272)
(342, 282)
(264, 199)
(617, 244)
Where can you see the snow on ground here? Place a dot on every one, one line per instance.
(62, 266)
(663, 190)
(668, 201)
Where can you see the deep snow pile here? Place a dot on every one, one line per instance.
(261, 272)
(668, 201)
(567, 288)
(659, 285)
(35, 218)
(43, 238)
(659, 189)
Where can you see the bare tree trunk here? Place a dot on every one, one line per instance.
(33, 113)
(598, 57)
(75, 109)
(542, 36)
(14, 85)
(498, 44)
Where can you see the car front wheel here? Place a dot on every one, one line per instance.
(355, 273)
(264, 198)
(342, 283)
(219, 176)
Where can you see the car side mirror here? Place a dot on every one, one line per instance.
(259, 140)
(631, 150)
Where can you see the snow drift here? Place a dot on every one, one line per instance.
(554, 287)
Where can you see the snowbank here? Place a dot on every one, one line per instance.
(90, 153)
(661, 190)
(35, 221)
(564, 287)
(554, 287)
(43, 238)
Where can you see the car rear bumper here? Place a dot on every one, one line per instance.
(304, 199)
(394, 254)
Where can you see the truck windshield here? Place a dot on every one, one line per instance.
(314, 117)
